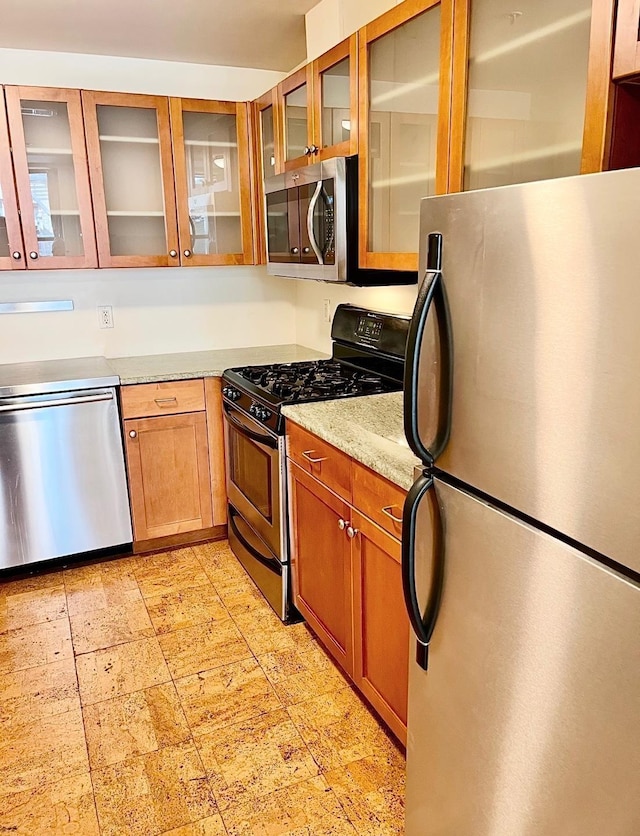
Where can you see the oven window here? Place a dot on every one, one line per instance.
(251, 473)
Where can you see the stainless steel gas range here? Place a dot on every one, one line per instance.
(367, 359)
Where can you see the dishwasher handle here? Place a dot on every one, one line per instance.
(19, 406)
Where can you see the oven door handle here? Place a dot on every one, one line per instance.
(244, 430)
(273, 564)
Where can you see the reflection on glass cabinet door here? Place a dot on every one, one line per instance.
(526, 92)
(294, 96)
(11, 247)
(401, 122)
(267, 132)
(336, 104)
(51, 176)
(335, 101)
(211, 157)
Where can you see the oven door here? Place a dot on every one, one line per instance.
(253, 475)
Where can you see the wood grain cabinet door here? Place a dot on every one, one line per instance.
(381, 625)
(169, 482)
(11, 246)
(321, 564)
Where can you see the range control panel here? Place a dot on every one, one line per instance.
(369, 328)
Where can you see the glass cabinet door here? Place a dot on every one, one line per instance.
(294, 95)
(211, 159)
(626, 57)
(268, 139)
(50, 163)
(526, 92)
(129, 146)
(11, 247)
(403, 129)
(335, 101)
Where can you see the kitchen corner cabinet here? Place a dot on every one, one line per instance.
(405, 71)
(46, 217)
(626, 57)
(173, 444)
(346, 524)
(318, 108)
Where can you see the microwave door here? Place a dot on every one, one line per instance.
(316, 222)
(283, 226)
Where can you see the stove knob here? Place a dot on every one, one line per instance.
(233, 394)
(264, 414)
(225, 391)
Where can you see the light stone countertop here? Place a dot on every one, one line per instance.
(155, 368)
(55, 376)
(369, 429)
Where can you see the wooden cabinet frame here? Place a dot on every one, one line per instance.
(8, 188)
(90, 102)
(23, 185)
(346, 49)
(293, 82)
(240, 111)
(596, 128)
(367, 35)
(626, 61)
(258, 106)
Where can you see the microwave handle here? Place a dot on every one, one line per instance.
(310, 211)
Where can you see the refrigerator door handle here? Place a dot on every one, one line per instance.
(431, 292)
(422, 624)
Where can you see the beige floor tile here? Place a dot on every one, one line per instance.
(100, 586)
(263, 631)
(18, 586)
(121, 669)
(371, 792)
(306, 809)
(32, 754)
(177, 610)
(255, 758)
(338, 729)
(39, 692)
(203, 647)
(113, 625)
(170, 572)
(63, 808)
(39, 644)
(211, 826)
(134, 724)
(37, 606)
(153, 793)
(228, 694)
(298, 674)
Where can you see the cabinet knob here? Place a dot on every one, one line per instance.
(307, 150)
(33, 254)
(306, 250)
(342, 524)
(351, 532)
(133, 434)
(173, 253)
(313, 149)
(187, 253)
(15, 254)
(294, 250)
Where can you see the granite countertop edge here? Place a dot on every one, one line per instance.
(369, 429)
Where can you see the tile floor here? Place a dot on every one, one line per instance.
(160, 695)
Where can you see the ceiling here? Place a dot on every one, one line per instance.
(265, 34)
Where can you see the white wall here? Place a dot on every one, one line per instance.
(134, 75)
(154, 311)
(314, 332)
(331, 21)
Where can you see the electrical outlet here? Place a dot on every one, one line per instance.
(105, 316)
(326, 310)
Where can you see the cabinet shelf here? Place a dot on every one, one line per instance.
(126, 213)
(139, 140)
(67, 152)
(527, 157)
(206, 143)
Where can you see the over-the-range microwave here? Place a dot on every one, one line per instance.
(312, 226)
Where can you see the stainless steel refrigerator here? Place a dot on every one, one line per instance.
(521, 552)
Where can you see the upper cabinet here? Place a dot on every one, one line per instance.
(213, 182)
(530, 91)
(404, 93)
(51, 182)
(268, 142)
(626, 61)
(130, 162)
(317, 108)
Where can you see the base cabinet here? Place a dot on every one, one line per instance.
(175, 461)
(347, 580)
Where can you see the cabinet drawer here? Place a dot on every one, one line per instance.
(315, 456)
(378, 498)
(146, 400)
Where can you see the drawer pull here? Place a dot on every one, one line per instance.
(387, 512)
(307, 456)
(342, 524)
(165, 401)
(352, 532)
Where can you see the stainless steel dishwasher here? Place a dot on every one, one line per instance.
(63, 487)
